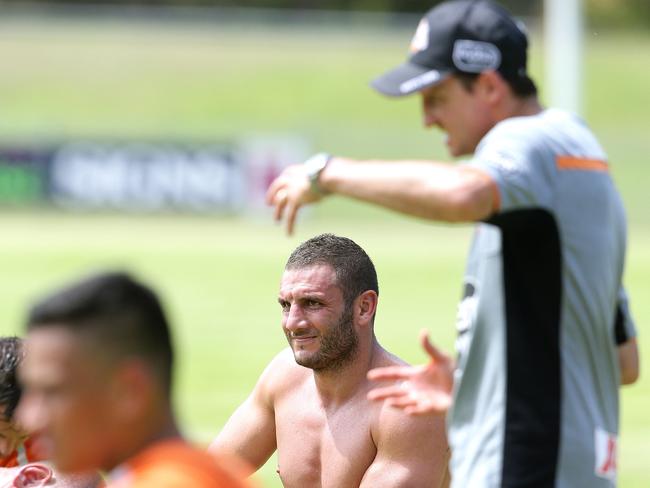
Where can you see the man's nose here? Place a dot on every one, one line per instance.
(295, 319)
(430, 111)
(430, 117)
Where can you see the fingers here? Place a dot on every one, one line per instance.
(415, 406)
(390, 373)
(437, 404)
(403, 402)
(426, 343)
(421, 404)
(424, 408)
(414, 410)
(387, 392)
(271, 192)
(283, 204)
(292, 211)
(433, 352)
(280, 201)
(287, 193)
(412, 406)
(398, 397)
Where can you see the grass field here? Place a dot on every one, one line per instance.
(219, 275)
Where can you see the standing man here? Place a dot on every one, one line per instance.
(97, 387)
(543, 309)
(310, 402)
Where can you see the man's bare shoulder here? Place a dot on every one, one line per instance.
(382, 358)
(416, 444)
(392, 423)
(282, 374)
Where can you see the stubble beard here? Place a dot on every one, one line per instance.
(337, 348)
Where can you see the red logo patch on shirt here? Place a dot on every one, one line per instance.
(606, 445)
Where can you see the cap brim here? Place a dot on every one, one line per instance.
(407, 78)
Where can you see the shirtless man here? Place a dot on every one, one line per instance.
(310, 402)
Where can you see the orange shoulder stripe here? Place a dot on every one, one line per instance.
(584, 164)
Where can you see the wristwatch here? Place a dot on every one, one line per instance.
(314, 167)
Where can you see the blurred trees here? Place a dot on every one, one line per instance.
(600, 13)
(618, 13)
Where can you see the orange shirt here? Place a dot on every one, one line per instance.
(175, 464)
(12, 460)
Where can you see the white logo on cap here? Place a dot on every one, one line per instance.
(420, 39)
(475, 56)
(420, 81)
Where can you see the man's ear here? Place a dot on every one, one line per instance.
(365, 307)
(492, 87)
(132, 387)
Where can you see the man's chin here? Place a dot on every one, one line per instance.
(309, 360)
(302, 359)
(456, 152)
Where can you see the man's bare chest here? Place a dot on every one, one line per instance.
(323, 448)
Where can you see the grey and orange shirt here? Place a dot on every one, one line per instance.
(543, 309)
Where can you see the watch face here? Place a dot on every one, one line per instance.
(315, 165)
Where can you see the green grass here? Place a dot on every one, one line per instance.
(219, 276)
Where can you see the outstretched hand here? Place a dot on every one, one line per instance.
(288, 192)
(424, 389)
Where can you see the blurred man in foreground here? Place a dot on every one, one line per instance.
(310, 403)
(97, 387)
(21, 461)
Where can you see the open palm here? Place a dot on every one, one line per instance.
(424, 389)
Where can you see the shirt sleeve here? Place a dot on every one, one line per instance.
(523, 176)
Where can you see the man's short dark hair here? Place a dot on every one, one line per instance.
(123, 317)
(522, 86)
(11, 353)
(354, 270)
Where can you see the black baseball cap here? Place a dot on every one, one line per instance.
(459, 36)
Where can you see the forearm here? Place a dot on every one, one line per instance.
(628, 358)
(429, 190)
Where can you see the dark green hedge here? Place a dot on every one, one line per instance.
(599, 12)
(521, 7)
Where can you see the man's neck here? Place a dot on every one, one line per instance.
(144, 435)
(521, 107)
(337, 386)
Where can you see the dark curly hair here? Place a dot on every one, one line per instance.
(354, 270)
(11, 353)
